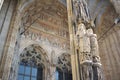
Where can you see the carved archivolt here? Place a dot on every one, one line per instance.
(35, 55)
(46, 38)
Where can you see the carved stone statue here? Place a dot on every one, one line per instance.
(95, 55)
(84, 52)
(81, 10)
(84, 43)
(94, 45)
(87, 43)
(87, 73)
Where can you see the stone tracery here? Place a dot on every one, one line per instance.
(31, 54)
(64, 63)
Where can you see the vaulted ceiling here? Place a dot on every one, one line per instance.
(102, 13)
(116, 4)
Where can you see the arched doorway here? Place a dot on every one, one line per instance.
(32, 64)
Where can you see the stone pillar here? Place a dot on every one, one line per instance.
(74, 62)
(6, 27)
(11, 47)
(53, 74)
(16, 58)
(50, 73)
(5, 20)
(45, 73)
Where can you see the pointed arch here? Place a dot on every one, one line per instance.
(64, 62)
(36, 53)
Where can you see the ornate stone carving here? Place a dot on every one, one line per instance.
(64, 63)
(81, 10)
(94, 45)
(86, 72)
(84, 43)
(88, 53)
(84, 52)
(31, 54)
(47, 38)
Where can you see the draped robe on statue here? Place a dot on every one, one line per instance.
(93, 43)
(84, 52)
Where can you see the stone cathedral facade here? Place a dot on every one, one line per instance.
(59, 39)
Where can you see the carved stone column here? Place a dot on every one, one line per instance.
(50, 73)
(74, 61)
(53, 70)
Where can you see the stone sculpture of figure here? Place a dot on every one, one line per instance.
(84, 43)
(84, 52)
(77, 9)
(95, 55)
(87, 73)
(94, 45)
(81, 10)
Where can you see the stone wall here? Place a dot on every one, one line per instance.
(6, 14)
(109, 46)
(108, 37)
(104, 12)
(116, 4)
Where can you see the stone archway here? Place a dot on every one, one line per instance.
(49, 14)
(36, 53)
(33, 53)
